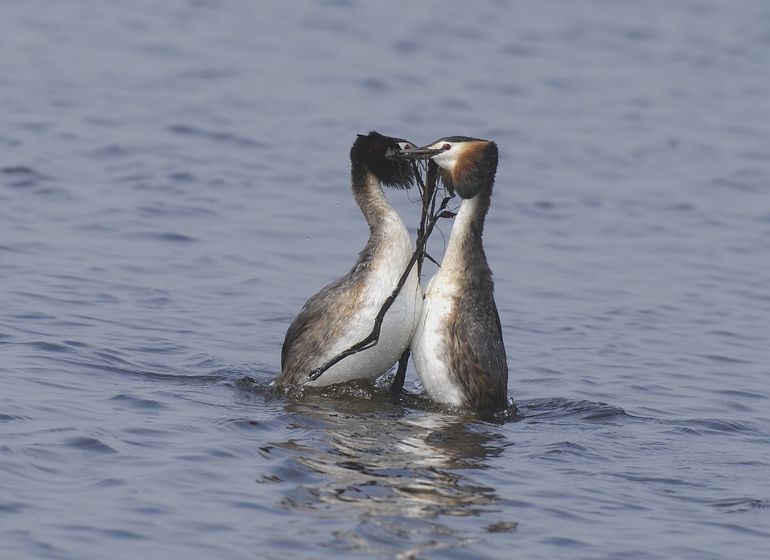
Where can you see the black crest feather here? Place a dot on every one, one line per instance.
(368, 154)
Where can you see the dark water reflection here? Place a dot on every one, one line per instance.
(401, 472)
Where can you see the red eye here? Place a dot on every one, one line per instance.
(445, 147)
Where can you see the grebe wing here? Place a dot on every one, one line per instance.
(477, 357)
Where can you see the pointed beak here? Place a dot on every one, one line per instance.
(412, 153)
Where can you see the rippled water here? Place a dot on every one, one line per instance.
(174, 185)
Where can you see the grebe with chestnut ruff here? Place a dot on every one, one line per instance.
(457, 347)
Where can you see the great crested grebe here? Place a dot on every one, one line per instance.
(343, 313)
(457, 347)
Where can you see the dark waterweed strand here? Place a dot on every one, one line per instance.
(427, 191)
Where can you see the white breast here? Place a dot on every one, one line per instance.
(399, 322)
(428, 341)
(430, 334)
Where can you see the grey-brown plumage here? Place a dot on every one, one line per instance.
(473, 346)
(342, 313)
(458, 346)
(320, 321)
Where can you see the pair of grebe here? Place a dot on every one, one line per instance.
(454, 331)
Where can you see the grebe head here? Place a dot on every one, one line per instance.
(373, 151)
(467, 165)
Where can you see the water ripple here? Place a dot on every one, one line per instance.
(90, 444)
(562, 408)
(215, 136)
(138, 403)
(741, 505)
(21, 177)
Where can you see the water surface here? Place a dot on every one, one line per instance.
(174, 183)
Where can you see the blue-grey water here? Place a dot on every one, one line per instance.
(174, 183)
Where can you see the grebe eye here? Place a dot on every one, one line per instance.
(445, 147)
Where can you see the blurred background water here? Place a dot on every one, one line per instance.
(174, 183)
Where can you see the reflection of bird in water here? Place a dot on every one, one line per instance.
(343, 313)
(408, 466)
(458, 347)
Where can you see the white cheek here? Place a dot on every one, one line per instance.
(445, 160)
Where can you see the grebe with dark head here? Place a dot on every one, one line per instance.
(457, 347)
(343, 313)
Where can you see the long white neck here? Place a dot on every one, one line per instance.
(374, 206)
(465, 248)
(389, 241)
